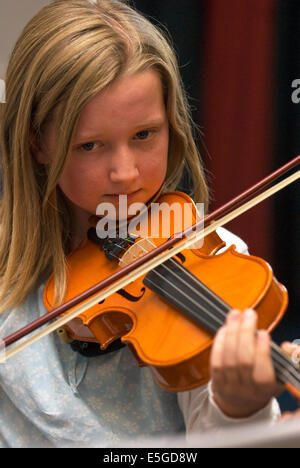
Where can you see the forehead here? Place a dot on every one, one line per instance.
(129, 100)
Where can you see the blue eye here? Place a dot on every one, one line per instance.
(87, 146)
(143, 135)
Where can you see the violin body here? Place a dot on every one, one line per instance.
(161, 336)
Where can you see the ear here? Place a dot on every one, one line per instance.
(39, 153)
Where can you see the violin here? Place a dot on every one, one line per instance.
(168, 311)
(169, 316)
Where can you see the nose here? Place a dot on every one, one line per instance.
(123, 167)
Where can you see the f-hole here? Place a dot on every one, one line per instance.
(181, 257)
(128, 296)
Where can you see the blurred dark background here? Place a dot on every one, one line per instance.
(238, 60)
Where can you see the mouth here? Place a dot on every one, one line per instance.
(129, 195)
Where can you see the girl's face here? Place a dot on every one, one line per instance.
(120, 146)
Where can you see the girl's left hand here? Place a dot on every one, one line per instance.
(242, 372)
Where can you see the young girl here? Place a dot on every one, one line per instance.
(94, 109)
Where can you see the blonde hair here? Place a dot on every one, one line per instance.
(68, 52)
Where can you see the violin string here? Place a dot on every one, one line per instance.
(185, 271)
(182, 305)
(286, 362)
(278, 357)
(214, 319)
(222, 316)
(282, 363)
(279, 354)
(224, 307)
(285, 372)
(276, 350)
(164, 266)
(124, 249)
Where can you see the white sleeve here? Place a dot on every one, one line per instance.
(200, 412)
(230, 239)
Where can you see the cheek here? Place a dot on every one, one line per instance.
(153, 173)
(71, 177)
(156, 166)
(164, 158)
(80, 183)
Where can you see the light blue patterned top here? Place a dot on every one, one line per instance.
(53, 396)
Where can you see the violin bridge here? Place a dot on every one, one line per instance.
(136, 250)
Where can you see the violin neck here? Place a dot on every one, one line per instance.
(287, 372)
(177, 285)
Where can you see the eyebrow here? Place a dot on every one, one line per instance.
(145, 124)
